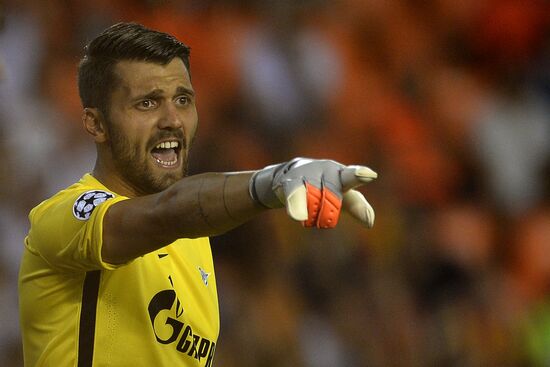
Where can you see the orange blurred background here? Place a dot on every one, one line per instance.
(447, 100)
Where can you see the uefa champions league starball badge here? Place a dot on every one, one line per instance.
(87, 202)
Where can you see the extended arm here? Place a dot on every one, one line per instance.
(313, 192)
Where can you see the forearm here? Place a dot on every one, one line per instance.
(206, 205)
(201, 205)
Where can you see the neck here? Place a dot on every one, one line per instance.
(109, 177)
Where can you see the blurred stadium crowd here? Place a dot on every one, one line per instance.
(449, 101)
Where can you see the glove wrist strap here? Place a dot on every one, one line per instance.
(261, 187)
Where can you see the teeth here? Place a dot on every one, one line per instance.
(164, 163)
(168, 145)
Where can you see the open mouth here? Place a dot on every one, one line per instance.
(167, 153)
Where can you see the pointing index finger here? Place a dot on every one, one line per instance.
(353, 176)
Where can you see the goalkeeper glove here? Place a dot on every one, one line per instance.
(314, 191)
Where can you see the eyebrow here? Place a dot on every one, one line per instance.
(185, 90)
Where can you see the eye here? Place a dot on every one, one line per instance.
(146, 104)
(183, 100)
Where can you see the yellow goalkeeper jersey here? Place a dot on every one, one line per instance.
(160, 309)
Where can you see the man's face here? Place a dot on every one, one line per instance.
(151, 123)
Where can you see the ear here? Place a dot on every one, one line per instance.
(94, 124)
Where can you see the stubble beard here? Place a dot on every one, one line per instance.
(134, 167)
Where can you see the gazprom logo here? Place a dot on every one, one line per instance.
(164, 312)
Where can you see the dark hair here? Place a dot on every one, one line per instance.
(122, 41)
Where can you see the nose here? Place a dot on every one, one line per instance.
(170, 117)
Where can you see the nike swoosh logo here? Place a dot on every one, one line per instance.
(162, 255)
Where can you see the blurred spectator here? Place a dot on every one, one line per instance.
(512, 138)
(289, 74)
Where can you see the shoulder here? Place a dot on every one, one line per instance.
(59, 218)
(77, 201)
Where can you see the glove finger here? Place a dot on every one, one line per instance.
(329, 213)
(295, 199)
(314, 205)
(353, 176)
(355, 204)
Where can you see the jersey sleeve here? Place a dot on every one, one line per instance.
(67, 230)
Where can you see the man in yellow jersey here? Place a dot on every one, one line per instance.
(117, 268)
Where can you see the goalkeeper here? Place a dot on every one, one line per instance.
(117, 268)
